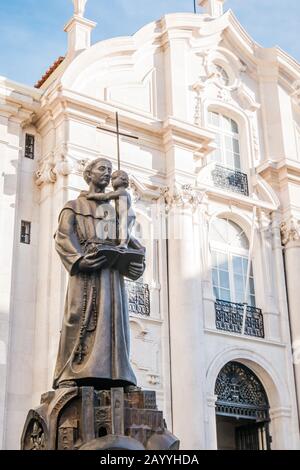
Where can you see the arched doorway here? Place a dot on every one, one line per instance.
(242, 410)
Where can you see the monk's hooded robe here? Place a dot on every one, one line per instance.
(95, 337)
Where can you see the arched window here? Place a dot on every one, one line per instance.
(227, 140)
(230, 252)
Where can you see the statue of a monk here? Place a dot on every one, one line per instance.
(94, 343)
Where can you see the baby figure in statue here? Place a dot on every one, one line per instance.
(124, 212)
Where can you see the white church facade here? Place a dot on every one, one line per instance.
(215, 180)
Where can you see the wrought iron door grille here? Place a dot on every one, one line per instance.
(231, 180)
(242, 411)
(138, 298)
(229, 317)
(242, 396)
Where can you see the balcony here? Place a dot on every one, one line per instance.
(230, 180)
(138, 298)
(229, 317)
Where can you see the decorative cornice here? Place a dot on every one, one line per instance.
(76, 19)
(187, 135)
(140, 190)
(290, 167)
(172, 131)
(290, 231)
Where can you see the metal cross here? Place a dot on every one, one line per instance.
(118, 134)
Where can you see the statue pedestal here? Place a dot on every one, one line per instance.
(83, 418)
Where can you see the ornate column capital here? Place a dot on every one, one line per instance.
(51, 167)
(211, 400)
(45, 173)
(181, 196)
(65, 165)
(290, 231)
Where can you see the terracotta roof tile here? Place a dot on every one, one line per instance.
(49, 72)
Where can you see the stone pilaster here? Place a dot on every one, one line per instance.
(290, 233)
(186, 317)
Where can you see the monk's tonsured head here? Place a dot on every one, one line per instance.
(98, 172)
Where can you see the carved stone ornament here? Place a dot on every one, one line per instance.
(213, 72)
(81, 165)
(290, 231)
(46, 172)
(64, 166)
(181, 196)
(52, 167)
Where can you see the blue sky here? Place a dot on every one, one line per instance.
(32, 37)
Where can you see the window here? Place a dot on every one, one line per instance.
(230, 250)
(227, 140)
(29, 146)
(25, 232)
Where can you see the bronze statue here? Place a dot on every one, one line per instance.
(94, 343)
(95, 404)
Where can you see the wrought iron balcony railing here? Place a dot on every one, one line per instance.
(231, 180)
(229, 317)
(138, 298)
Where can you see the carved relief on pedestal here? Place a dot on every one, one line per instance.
(290, 231)
(112, 419)
(36, 435)
(67, 434)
